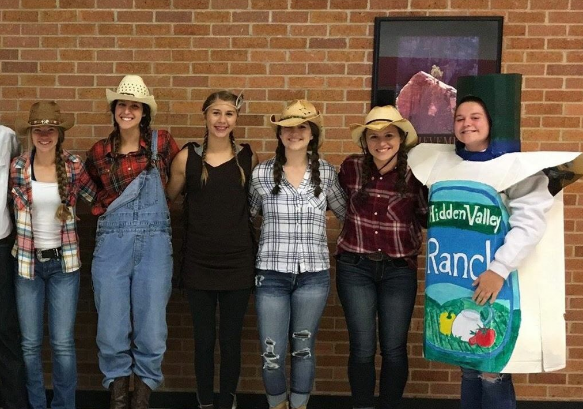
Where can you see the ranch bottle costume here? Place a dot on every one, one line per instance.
(523, 330)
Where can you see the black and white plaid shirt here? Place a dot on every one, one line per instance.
(293, 232)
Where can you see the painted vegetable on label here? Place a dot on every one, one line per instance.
(483, 337)
(445, 322)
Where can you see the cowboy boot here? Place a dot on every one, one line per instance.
(141, 395)
(282, 405)
(120, 393)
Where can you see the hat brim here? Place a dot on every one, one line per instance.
(317, 120)
(411, 139)
(21, 126)
(149, 100)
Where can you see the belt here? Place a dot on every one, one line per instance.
(48, 254)
(378, 256)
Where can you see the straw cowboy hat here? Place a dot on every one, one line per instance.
(297, 112)
(133, 88)
(45, 113)
(379, 118)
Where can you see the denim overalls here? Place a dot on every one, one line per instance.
(132, 272)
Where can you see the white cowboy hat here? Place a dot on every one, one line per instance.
(133, 88)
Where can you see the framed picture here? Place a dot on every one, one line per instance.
(417, 61)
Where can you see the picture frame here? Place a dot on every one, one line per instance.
(417, 61)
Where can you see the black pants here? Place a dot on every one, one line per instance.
(12, 382)
(232, 307)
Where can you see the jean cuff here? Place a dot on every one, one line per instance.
(275, 400)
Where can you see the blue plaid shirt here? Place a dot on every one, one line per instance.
(293, 232)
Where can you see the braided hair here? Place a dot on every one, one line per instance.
(63, 212)
(145, 135)
(211, 99)
(313, 159)
(368, 166)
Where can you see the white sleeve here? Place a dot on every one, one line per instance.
(529, 201)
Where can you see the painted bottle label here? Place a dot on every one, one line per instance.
(467, 224)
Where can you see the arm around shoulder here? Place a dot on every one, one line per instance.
(177, 179)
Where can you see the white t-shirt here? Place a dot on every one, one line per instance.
(46, 228)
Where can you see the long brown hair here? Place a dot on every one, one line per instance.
(63, 213)
(145, 134)
(313, 158)
(368, 166)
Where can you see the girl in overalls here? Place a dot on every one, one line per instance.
(376, 269)
(46, 183)
(292, 192)
(218, 261)
(132, 261)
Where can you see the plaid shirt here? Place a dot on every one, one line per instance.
(385, 221)
(293, 232)
(110, 185)
(79, 184)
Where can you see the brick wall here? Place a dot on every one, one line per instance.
(71, 50)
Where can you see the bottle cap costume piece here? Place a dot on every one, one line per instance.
(133, 88)
(379, 118)
(45, 113)
(524, 329)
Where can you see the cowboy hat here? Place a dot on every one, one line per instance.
(45, 113)
(297, 112)
(133, 88)
(379, 118)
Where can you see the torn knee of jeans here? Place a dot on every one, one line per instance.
(258, 280)
(269, 356)
(302, 335)
(302, 353)
(491, 377)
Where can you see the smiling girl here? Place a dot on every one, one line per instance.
(132, 260)
(293, 191)
(218, 260)
(376, 269)
(46, 183)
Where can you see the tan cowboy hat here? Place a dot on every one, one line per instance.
(297, 112)
(379, 118)
(133, 88)
(45, 113)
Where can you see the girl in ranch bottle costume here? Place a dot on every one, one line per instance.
(495, 285)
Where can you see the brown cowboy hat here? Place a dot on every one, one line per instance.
(379, 118)
(45, 113)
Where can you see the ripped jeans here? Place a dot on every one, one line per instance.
(289, 306)
(491, 391)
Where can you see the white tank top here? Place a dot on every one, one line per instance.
(46, 228)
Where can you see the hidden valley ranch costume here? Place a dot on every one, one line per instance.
(483, 208)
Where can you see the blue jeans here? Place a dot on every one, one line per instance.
(61, 291)
(132, 273)
(289, 306)
(369, 290)
(494, 391)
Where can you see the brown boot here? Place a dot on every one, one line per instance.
(141, 395)
(120, 393)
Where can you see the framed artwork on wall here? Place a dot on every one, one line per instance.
(417, 61)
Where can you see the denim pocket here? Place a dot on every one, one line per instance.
(352, 259)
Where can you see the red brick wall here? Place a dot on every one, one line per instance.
(71, 50)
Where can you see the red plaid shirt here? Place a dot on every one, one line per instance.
(384, 221)
(110, 185)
